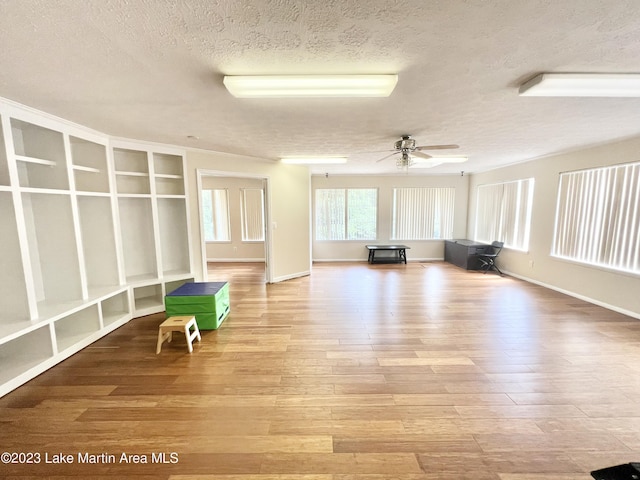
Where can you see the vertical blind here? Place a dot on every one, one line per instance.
(252, 203)
(346, 214)
(422, 213)
(504, 213)
(215, 215)
(598, 217)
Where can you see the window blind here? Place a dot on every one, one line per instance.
(422, 213)
(503, 213)
(252, 211)
(597, 217)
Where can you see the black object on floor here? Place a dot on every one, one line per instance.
(625, 471)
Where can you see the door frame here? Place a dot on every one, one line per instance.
(268, 250)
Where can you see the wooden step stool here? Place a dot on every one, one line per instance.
(178, 324)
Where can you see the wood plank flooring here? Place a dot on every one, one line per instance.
(358, 372)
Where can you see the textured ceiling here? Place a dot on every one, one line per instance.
(152, 70)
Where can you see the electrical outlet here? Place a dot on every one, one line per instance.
(530, 263)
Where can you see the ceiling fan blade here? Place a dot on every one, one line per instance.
(426, 156)
(388, 156)
(437, 147)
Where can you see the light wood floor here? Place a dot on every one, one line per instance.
(357, 372)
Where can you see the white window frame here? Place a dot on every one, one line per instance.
(598, 217)
(339, 216)
(422, 213)
(503, 213)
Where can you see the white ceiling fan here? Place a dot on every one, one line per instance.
(412, 156)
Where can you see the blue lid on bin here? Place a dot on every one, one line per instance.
(197, 288)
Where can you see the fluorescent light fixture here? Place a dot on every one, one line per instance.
(582, 85)
(277, 86)
(425, 164)
(313, 160)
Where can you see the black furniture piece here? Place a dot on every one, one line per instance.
(464, 253)
(626, 471)
(400, 255)
(488, 260)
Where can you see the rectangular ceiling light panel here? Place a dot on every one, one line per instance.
(278, 86)
(582, 85)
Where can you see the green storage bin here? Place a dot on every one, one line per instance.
(207, 301)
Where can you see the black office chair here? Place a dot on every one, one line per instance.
(488, 260)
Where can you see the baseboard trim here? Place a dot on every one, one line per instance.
(291, 277)
(361, 260)
(608, 306)
(235, 260)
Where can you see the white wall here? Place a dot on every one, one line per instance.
(420, 250)
(287, 208)
(236, 249)
(614, 290)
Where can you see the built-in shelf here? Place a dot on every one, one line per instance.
(89, 165)
(80, 168)
(132, 171)
(36, 161)
(24, 353)
(138, 238)
(4, 165)
(77, 327)
(87, 237)
(40, 155)
(168, 174)
(98, 242)
(148, 299)
(15, 304)
(53, 250)
(173, 230)
(115, 308)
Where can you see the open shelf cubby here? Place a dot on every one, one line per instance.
(98, 242)
(148, 297)
(15, 303)
(52, 249)
(78, 326)
(40, 156)
(21, 354)
(4, 169)
(89, 165)
(132, 171)
(138, 239)
(115, 308)
(173, 231)
(168, 174)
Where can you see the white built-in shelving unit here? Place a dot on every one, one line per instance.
(95, 231)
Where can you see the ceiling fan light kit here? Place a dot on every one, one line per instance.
(582, 85)
(412, 155)
(279, 86)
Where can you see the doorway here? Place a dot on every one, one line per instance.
(234, 238)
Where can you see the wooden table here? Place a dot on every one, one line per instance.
(399, 257)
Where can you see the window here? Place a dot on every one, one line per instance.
(252, 212)
(346, 214)
(422, 213)
(598, 217)
(215, 215)
(504, 213)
